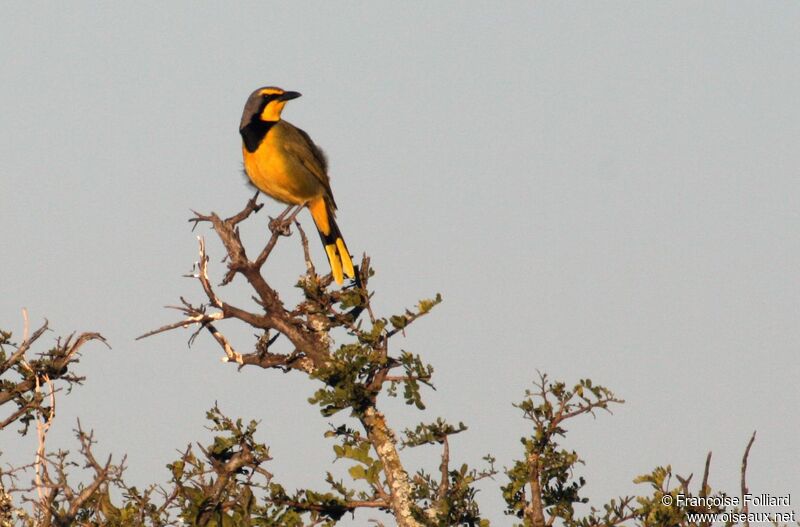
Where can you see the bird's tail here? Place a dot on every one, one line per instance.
(338, 255)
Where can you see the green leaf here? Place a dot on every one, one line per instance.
(357, 472)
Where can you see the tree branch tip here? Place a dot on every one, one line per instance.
(101, 338)
(237, 358)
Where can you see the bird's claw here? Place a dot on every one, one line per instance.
(280, 226)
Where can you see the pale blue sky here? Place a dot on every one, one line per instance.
(603, 190)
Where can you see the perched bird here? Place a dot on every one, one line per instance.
(284, 163)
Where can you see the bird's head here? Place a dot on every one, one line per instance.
(266, 104)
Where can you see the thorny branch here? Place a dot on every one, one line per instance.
(309, 354)
(60, 501)
(306, 327)
(24, 377)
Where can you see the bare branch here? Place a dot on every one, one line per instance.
(704, 484)
(308, 343)
(347, 506)
(310, 270)
(383, 443)
(24, 346)
(444, 470)
(744, 476)
(279, 227)
(706, 470)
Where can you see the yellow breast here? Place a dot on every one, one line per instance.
(279, 174)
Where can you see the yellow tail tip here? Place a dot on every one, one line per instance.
(344, 254)
(336, 264)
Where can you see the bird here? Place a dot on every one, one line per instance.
(283, 162)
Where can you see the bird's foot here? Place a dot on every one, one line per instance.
(280, 226)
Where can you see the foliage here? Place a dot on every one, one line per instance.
(542, 488)
(547, 469)
(30, 383)
(225, 482)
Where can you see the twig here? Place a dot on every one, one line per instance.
(347, 506)
(200, 318)
(363, 273)
(230, 353)
(278, 227)
(744, 475)
(310, 270)
(704, 484)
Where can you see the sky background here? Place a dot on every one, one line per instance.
(602, 190)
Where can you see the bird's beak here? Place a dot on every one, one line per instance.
(289, 95)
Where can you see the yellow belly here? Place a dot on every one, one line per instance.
(280, 176)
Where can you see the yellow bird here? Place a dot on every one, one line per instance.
(284, 163)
